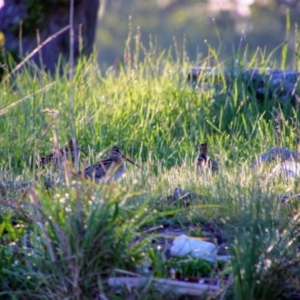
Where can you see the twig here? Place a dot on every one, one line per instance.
(71, 26)
(165, 285)
(222, 292)
(71, 79)
(5, 110)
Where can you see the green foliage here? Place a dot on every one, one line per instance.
(264, 251)
(10, 257)
(188, 267)
(7, 61)
(77, 244)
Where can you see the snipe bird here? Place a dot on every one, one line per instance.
(8, 187)
(70, 151)
(203, 162)
(113, 166)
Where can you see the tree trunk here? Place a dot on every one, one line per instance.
(26, 24)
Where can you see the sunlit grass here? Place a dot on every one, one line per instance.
(76, 236)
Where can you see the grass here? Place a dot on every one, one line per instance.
(64, 243)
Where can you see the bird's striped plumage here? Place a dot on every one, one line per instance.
(204, 162)
(113, 166)
(70, 151)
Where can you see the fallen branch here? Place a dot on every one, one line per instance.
(165, 285)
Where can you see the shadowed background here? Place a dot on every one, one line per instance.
(182, 27)
(227, 25)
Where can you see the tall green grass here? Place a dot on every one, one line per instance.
(73, 238)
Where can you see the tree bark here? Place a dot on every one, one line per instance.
(26, 24)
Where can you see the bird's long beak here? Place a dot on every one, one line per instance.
(132, 162)
(82, 151)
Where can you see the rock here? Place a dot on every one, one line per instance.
(288, 169)
(287, 197)
(276, 154)
(265, 85)
(195, 247)
(224, 258)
